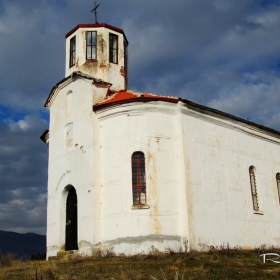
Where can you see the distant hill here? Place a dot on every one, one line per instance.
(22, 245)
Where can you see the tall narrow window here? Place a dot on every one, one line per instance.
(278, 185)
(113, 50)
(254, 188)
(125, 61)
(91, 44)
(138, 179)
(72, 59)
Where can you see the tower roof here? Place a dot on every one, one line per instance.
(96, 25)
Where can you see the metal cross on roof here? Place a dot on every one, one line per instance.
(95, 10)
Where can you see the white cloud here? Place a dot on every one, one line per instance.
(257, 95)
(28, 123)
(267, 19)
(23, 175)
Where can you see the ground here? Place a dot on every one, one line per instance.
(223, 263)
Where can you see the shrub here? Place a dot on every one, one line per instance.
(7, 259)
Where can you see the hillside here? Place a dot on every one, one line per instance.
(215, 264)
(21, 245)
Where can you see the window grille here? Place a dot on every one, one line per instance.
(138, 179)
(278, 185)
(72, 60)
(91, 45)
(254, 188)
(113, 52)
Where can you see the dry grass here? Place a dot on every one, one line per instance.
(222, 263)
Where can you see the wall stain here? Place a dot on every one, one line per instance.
(90, 66)
(153, 193)
(189, 194)
(101, 50)
(98, 64)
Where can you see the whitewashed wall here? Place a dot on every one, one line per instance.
(197, 179)
(218, 153)
(76, 165)
(149, 128)
(100, 68)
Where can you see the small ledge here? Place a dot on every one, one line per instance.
(140, 207)
(258, 212)
(90, 60)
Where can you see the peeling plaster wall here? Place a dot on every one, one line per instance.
(218, 154)
(197, 179)
(76, 165)
(100, 68)
(147, 127)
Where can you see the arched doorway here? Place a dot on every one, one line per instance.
(71, 231)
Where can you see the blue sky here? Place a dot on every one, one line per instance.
(221, 53)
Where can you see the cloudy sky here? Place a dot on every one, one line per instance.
(223, 54)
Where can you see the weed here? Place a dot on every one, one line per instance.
(38, 257)
(51, 274)
(7, 260)
(218, 263)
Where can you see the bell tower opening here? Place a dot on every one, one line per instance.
(71, 231)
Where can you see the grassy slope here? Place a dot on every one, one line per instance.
(218, 264)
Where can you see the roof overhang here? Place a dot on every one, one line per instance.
(45, 137)
(210, 111)
(96, 25)
(125, 97)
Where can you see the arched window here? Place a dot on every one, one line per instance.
(254, 188)
(138, 178)
(278, 184)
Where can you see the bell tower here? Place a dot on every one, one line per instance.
(96, 62)
(99, 50)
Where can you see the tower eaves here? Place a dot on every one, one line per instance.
(96, 25)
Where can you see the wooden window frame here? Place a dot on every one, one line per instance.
(91, 45)
(72, 54)
(125, 46)
(278, 185)
(113, 51)
(253, 184)
(138, 168)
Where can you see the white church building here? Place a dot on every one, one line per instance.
(135, 173)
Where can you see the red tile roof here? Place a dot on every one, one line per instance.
(128, 96)
(121, 97)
